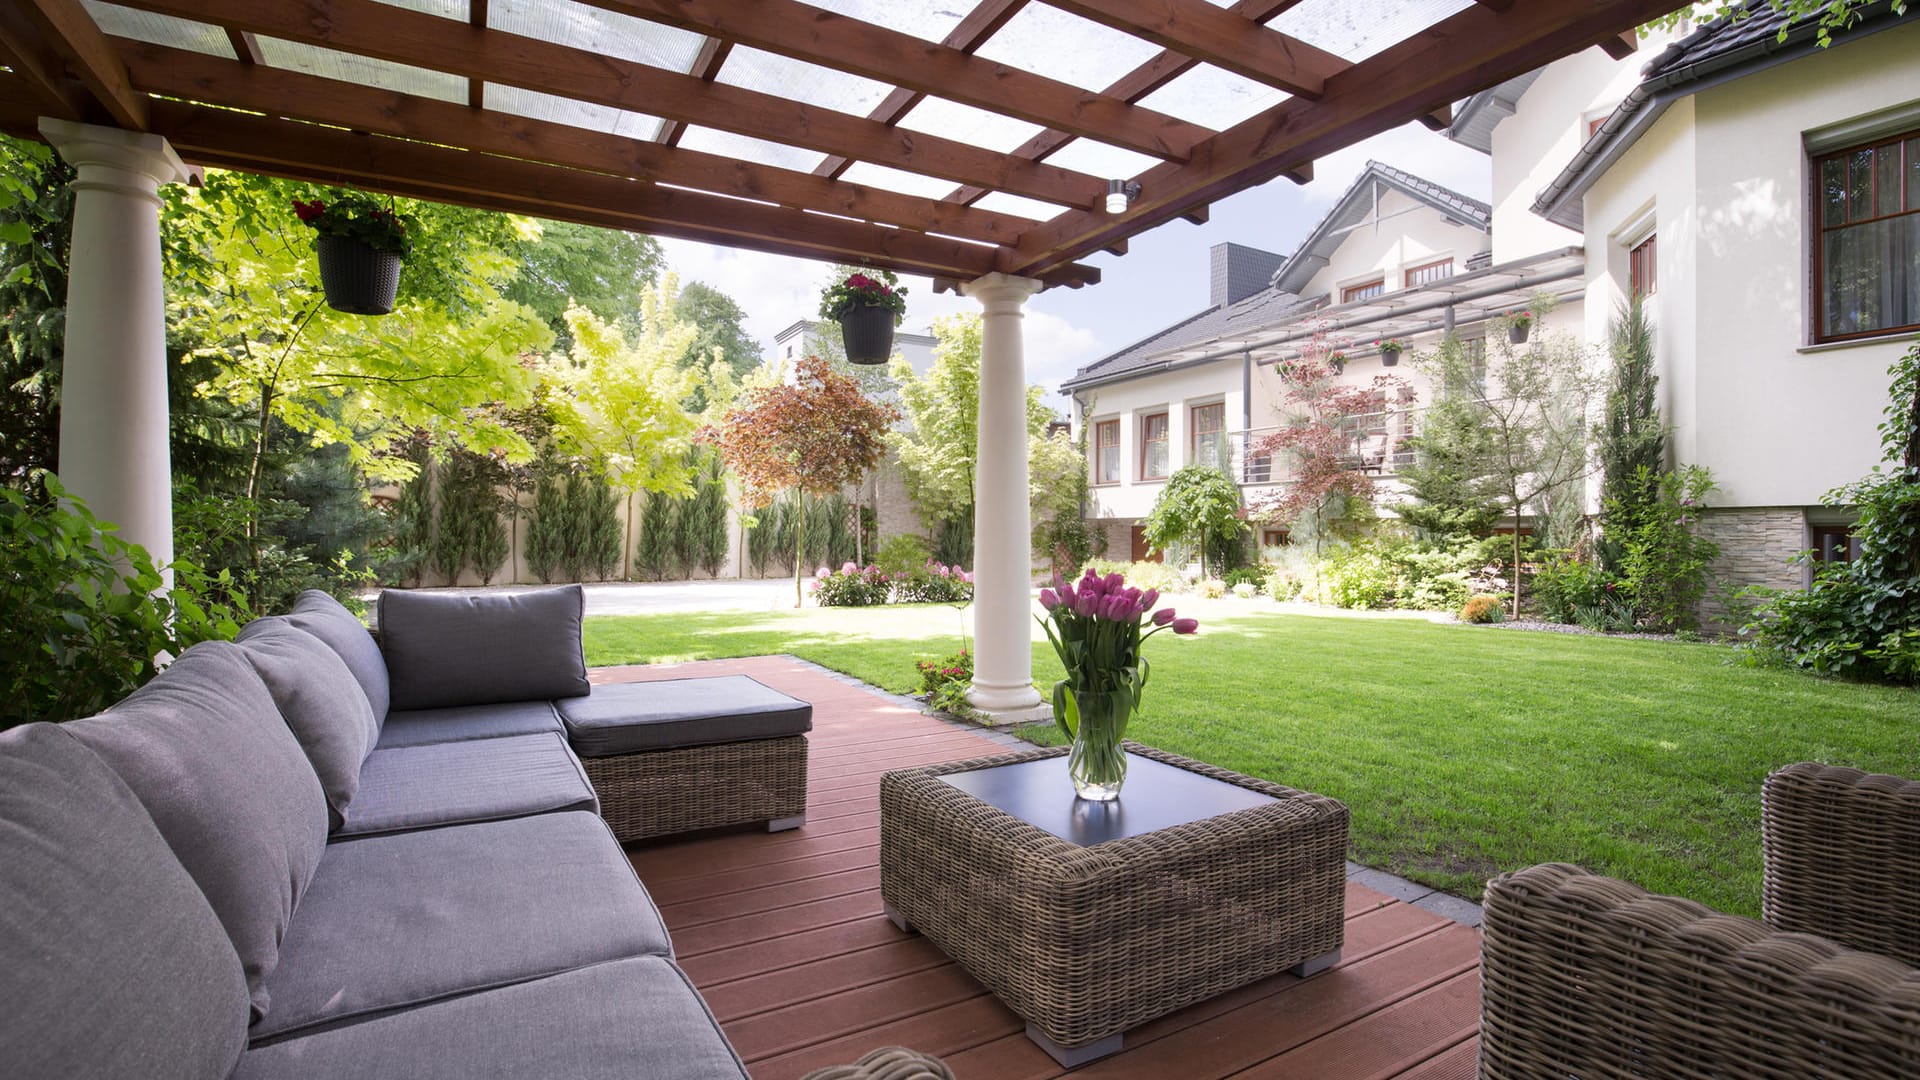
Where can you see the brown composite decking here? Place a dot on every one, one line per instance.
(784, 936)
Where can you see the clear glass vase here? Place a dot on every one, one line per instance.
(1097, 764)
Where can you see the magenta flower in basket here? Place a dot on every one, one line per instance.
(1095, 627)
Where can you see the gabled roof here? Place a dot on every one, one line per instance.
(1475, 118)
(1718, 52)
(1357, 203)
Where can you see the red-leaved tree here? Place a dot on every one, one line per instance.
(817, 434)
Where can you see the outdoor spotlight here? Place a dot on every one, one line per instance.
(1119, 194)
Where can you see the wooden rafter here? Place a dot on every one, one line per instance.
(1225, 39)
(68, 28)
(409, 37)
(476, 86)
(37, 68)
(706, 67)
(197, 77)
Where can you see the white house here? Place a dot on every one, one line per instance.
(798, 340)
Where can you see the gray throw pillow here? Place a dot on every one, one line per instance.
(330, 621)
(455, 648)
(205, 751)
(112, 966)
(321, 702)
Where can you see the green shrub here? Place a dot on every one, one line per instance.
(1212, 588)
(852, 586)
(1246, 575)
(1142, 575)
(1485, 608)
(1663, 561)
(1566, 585)
(1246, 590)
(1282, 583)
(935, 674)
(902, 553)
(1359, 578)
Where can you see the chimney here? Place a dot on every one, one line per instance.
(1240, 271)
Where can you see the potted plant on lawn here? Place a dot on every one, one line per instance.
(1518, 323)
(361, 246)
(1390, 350)
(867, 309)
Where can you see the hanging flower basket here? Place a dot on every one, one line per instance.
(1390, 350)
(358, 280)
(867, 309)
(868, 333)
(1517, 329)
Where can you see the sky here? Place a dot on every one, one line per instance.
(1162, 280)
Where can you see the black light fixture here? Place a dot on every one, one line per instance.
(1120, 193)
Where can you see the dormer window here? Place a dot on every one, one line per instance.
(1428, 273)
(1364, 291)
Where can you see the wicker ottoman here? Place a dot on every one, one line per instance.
(1088, 919)
(684, 754)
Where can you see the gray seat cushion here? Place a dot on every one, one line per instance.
(327, 619)
(321, 702)
(394, 921)
(634, 1019)
(417, 727)
(206, 752)
(625, 718)
(456, 648)
(418, 787)
(111, 963)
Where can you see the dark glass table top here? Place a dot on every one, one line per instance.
(1156, 796)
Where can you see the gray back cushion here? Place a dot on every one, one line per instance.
(329, 620)
(111, 963)
(449, 648)
(206, 752)
(321, 702)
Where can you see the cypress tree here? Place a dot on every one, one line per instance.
(654, 550)
(709, 513)
(546, 531)
(1632, 440)
(1453, 493)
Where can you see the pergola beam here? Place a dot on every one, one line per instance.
(182, 74)
(1225, 39)
(428, 41)
(822, 37)
(37, 69)
(72, 32)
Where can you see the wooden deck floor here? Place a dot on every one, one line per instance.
(784, 936)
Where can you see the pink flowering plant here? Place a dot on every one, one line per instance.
(357, 217)
(880, 289)
(852, 586)
(933, 583)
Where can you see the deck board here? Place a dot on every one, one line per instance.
(784, 935)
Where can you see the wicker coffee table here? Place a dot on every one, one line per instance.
(1088, 919)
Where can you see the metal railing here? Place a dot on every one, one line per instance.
(1377, 444)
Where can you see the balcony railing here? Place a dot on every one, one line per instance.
(1377, 444)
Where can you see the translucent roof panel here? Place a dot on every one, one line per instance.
(977, 127)
(798, 80)
(1073, 50)
(364, 70)
(928, 22)
(446, 9)
(1358, 29)
(160, 29)
(537, 106)
(608, 33)
(906, 183)
(1213, 97)
(744, 148)
(1101, 159)
(1019, 206)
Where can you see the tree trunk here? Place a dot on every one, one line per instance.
(1516, 564)
(626, 549)
(799, 546)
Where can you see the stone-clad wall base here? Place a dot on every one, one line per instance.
(1757, 547)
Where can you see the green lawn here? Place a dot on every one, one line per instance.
(1461, 751)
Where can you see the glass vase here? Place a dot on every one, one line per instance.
(1097, 764)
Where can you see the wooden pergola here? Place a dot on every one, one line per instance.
(989, 144)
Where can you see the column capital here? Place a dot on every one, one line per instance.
(1001, 290)
(132, 163)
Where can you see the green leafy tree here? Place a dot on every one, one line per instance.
(1198, 506)
(36, 227)
(563, 265)
(1453, 494)
(720, 333)
(1826, 16)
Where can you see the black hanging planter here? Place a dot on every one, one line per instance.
(1517, 333)
(358, 280)
(1389, 357)
(868, 333)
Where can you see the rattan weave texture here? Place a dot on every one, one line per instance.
(1843, 857)
(890, 1063)
(1584, 976)
(1086, 942)
(660, 792)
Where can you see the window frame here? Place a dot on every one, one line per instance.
(1650, 244)
(1409, 272)
(1146, 444)
(1194, 432)
(1101, 427)
(1816, 214)
(1347, 291)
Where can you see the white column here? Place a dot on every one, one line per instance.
(113, 384)
(1002, 529)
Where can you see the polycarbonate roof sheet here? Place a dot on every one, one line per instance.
(928, 22)
(1213, 97)
(890, 179)
(581, 114)
(1019, 206)
(747, 148)
(164, 30)
(1101, 159)
(363, 70)
(976, 127)
(564, 22)
(1067, 48)
(797, 80)
(446, 9)
(1357, 29)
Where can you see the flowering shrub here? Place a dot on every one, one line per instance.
(852, 586)
(937, 673)
(1213, 588)
(1485, 608)
(357, 217)
(1246, 590)
(861, 291)
(933, 583)
(1146, 575)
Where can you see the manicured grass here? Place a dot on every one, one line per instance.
(1461, 751)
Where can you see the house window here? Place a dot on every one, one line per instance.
(1833, 543)
(1106, 452)
(1153, 447)
(1428, 273)
(1207, 427)
(1475, 350)
(1643, 275)
(1868, 252)
(1273, 538)
(1593, 125)
(1366, 291)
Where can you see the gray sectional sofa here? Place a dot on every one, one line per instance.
(305, 854)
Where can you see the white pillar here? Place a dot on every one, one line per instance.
(1002, 526)
(113, 383)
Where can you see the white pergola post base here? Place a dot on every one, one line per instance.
(1002, 527)
(113, 385)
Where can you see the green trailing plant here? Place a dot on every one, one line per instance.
(1198, 505)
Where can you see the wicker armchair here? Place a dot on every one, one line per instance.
(1585, 976)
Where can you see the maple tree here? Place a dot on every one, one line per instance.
(816, 434)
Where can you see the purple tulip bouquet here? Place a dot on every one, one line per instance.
(1095, 627)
